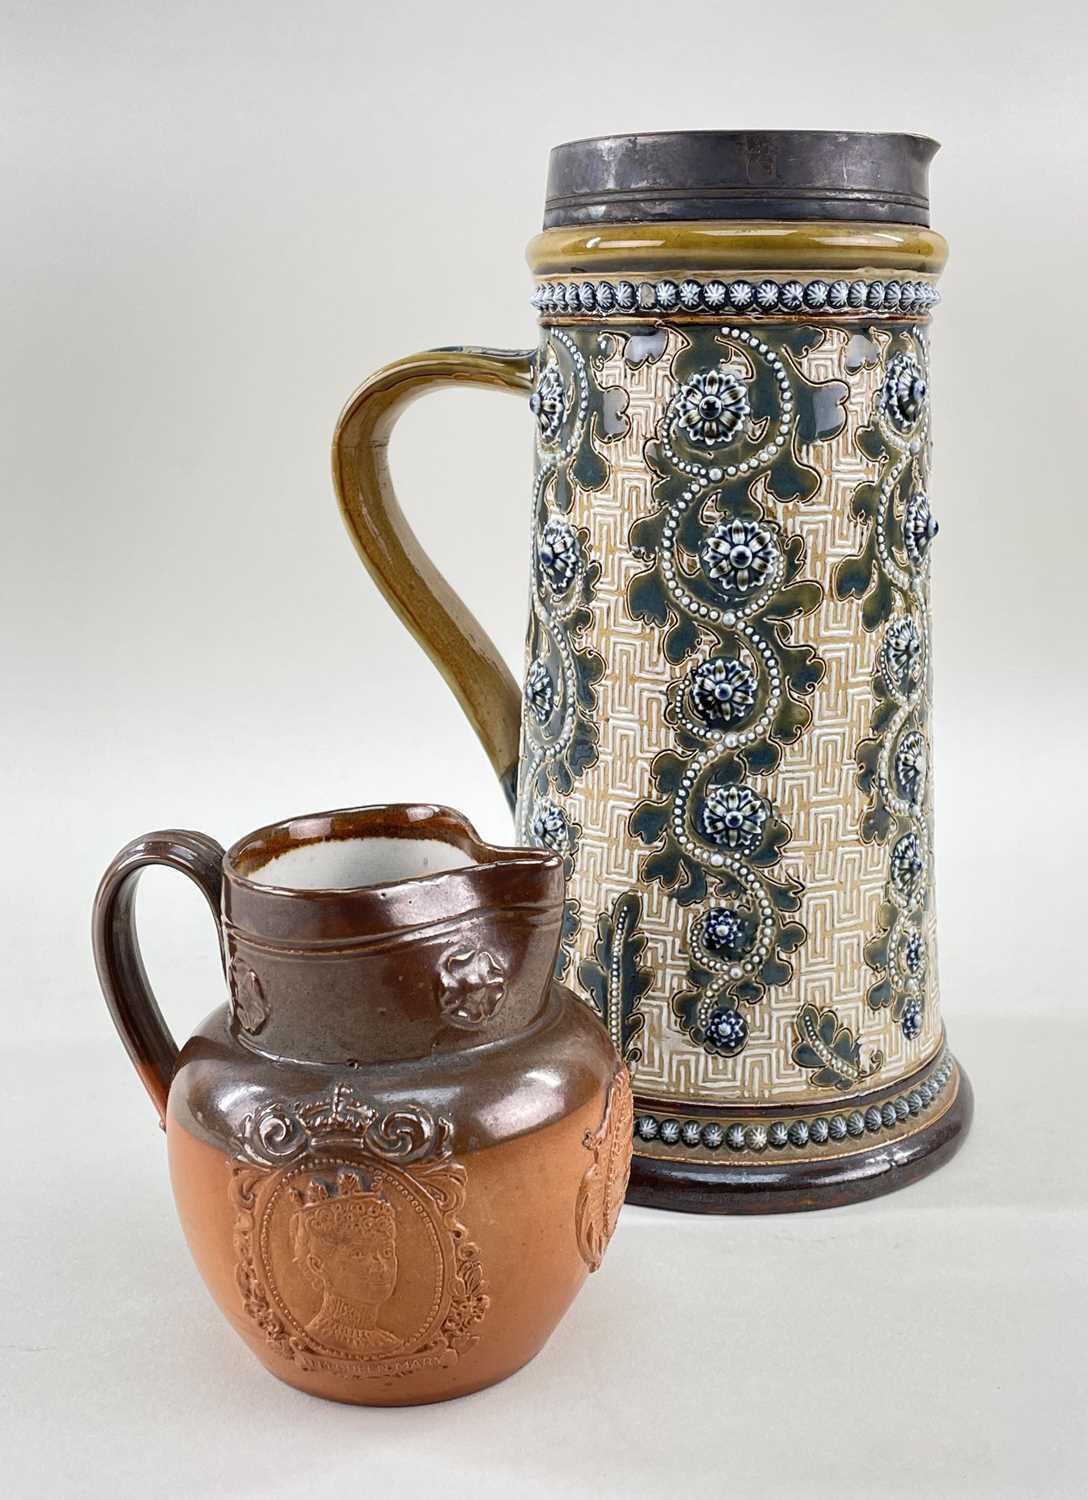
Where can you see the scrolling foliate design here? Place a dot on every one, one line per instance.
(831, 1051)
(615, 979)
(890, 575)
(559, 729)
(723, 582)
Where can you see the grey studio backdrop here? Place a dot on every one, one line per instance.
(218, 220)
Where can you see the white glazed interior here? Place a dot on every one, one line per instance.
(345, 864)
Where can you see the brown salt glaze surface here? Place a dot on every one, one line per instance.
(401, 1146)
(490, 1091)
(378, 956)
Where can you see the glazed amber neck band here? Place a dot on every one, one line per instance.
(759, 245)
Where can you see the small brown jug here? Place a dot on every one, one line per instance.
(400, 1146)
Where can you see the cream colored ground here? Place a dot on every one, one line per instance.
(814, 788)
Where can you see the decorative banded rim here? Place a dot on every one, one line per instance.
(819, 297)
(821, 1130)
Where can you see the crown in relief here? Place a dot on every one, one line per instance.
(340, 1113)
(342, 1211)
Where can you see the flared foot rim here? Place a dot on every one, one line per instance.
(768, 1187)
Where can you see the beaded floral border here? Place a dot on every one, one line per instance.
(893, 757)
(821, 1130)
(560, 734)
(748, 298)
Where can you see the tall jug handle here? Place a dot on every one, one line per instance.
(121, 971)
(440, 621)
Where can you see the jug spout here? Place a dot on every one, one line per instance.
(383, 933)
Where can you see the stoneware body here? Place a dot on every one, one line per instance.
(725, 720)
(400, 1146)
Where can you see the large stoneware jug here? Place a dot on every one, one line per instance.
(725, 722)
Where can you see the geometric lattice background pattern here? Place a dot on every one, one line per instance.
(604, 700)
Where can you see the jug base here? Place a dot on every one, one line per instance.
(342, 1396)
(841, 1176)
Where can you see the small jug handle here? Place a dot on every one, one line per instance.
(422, 599)
(121, 972)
